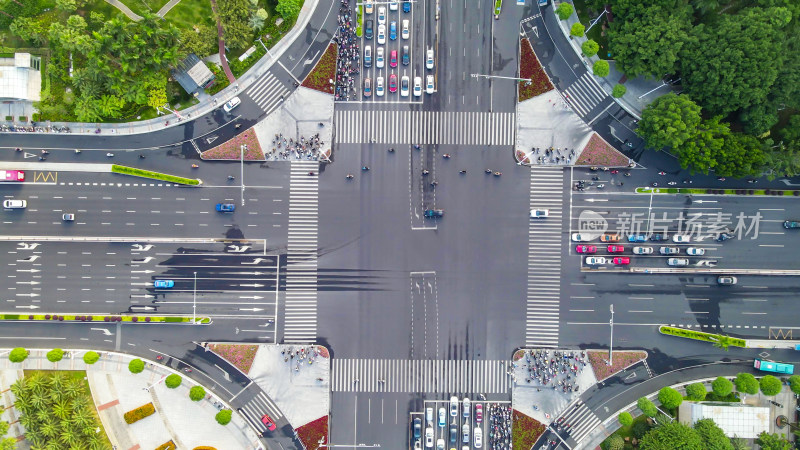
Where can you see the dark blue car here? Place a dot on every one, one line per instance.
(430, 213)
(393, 30)
(406, 6)
(637, 238)
(226, 207)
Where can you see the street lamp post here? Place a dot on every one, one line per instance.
(611, 345)
(605, 10)
(243, 147)
(194, 301)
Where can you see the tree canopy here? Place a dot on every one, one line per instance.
(746, 383)
(669, 121)
(712, 435)
(647, 407)
(696, 392)
(722, 386)
(769, 441)
(672, 436)
(770, 385)
(669, 397)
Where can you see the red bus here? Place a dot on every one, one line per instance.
(12, 175)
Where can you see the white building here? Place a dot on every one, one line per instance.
(735, 419)
(20, 78)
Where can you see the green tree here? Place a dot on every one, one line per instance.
(741, 155)
(601, 68)
(712, 435)
(696, 392)
(746, 383)
(647, 407)
(794, 383)
(590, 47)
(619, 90)
(18, 355)
(625, 418)
(740, 444)
(757, 119)
(96, 18)
(66, 5)
(769, 441)
(136, 365)
(564, 10)
(615, 441)
(157, 98)
(671, 436)
(669, 397)
(173, 381)
(200, 40)
(87, 109)
(258, 19)
(197, 393)
(640, 428)
(577, 29)
(28, 30)
(646, 37)
(223, 417)
(288, 9)
(770, 385)
(55, 355)
(705, 6)
(722, 387)
(734, 63)
(700, 154)
(90, 357)
(669, 121)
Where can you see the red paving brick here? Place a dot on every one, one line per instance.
(108, 405)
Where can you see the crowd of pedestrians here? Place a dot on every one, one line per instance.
(298, 356)
(348, 59)
(552, 369)
(303, 148)
(499, 427)
(553, 155)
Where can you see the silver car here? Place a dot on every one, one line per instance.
(678, 262)
(669, 250)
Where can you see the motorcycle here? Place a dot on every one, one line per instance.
(365, 168)
(195, 166)
(497, 174)
(446, 156)
(231, 177)
(110, 155)
(662, 173)
(349, 176)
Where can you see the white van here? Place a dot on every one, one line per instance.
(15, 204)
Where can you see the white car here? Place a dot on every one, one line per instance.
(681, 238)
(232, 103)
(379, 89)
(595, 260)
(429, 437)
(466, 409)
(68, 217)
(669, 250)
(577, 237)
(442, 417)
(381, 34)
(677, 262)
(404, 87)
(15, 204)
(535, 213)
(429, 416)
(454, 406)
(381, 15)
(429, 58)
(429, 84)
(642, 250)
(478, 441)
(405, 33)
(440, 444)
(417, 86)
(379, 58)
(368, 6)
(393, 6)
(695, 251)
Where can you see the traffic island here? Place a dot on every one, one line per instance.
(719, 340)
(138, 319)
(125, 170)
(703, 191)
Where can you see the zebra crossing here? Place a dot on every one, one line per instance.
(300, 318)
(417, 375)
(257, 407)
(581, 421)
(584, 94)
(267, 92)
(544, 258)
(424, 127)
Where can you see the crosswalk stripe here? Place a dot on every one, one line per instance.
(267, 92)
(581, 420)
(584, 94)
(424, 127)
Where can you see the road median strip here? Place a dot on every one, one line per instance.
(102, 319)
(125, 170)
(702, 336)
(709, 191)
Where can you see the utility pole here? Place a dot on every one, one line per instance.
(194, 301)
(242, 147)
(594, 22)
(611, 345)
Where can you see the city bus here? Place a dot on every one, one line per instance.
(771, 366)
(12, 175)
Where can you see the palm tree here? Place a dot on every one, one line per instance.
(29, 422)
(74, 390)
(722, 341)
(49, 429)
(20, 388)
(38, 401)
(69, 437)
(62, 409)
(38, 383)
(79, 403)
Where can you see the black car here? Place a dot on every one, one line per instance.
(791, 224)
(417, 428)
(368, 29)
(453, 433)
(405, 55)
(434, 212)
(659, 237)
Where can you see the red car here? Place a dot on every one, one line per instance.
(12, 175)
(621, 261)
(586, 249)
(393, 58)
(267, 421)
(392, 83)
(479, 413)
(616, 249)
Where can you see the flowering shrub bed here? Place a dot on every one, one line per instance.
(622, 360)
(232, 148)
(139, 413)
(311, 433)
(522, 157)
(531, 69)
(598, 152)
(525, 430)
(241, 356)
(518, 355)
(325, 70)
(323, 351)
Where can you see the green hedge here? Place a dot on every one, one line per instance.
(139, 413)
(696, 191)
(169, 445)
(124, 170)
(104, 319)
(497, 5)
(699, 335)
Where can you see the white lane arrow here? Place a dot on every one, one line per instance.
(242, 273)
(29, 307)
(28, 282)
(251, 309)
(143, 261)
(705, 201)
(29, 259)
(535, 31)
(255, 261)
(105, 331)
(145, 296)
(24, 246)
(29, 155)
(238, 249)
(146, 308)
(141, 248)
(142, 271)
(596, 199)
(29, 270)
(27, 295)
(251, 285)
(254, 297)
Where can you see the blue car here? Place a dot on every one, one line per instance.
(163, 284)
(226, 207)
(406, 6)
(637, 238)
(393, 31)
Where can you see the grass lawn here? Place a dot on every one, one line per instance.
(188, 13)
(596, 32)
(626, 432)
(142, 6)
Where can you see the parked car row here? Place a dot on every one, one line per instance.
(641, 250)
(449, 429)
(613, 237)
(405, 86)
